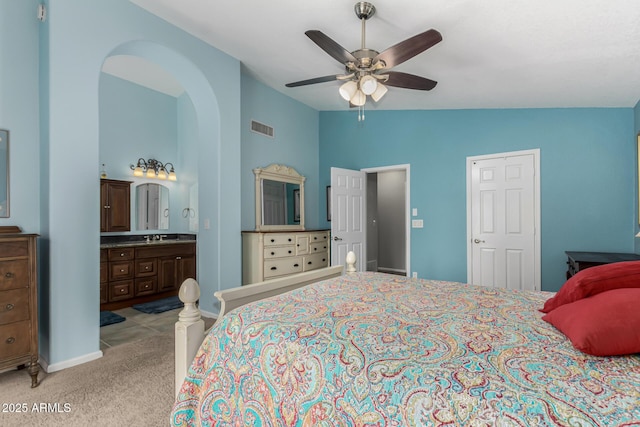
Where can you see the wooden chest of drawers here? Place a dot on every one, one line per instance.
(266, 255)
(18, 303)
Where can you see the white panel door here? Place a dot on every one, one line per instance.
(348, 221)
(503, 222)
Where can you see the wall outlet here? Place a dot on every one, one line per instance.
(414, 275)
(414, 212)
(207, 224)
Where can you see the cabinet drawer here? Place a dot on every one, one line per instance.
(318, 247)
(146, 286)
(124, 254)
(275, 239)
(169, 250)
(311, 262)
(14, 305)
(120, 270)
(318, 237)
(278, 252)
(120, 290)
(14, 248)
(104, 272)
(104, 294)
(146, 267)
(14, 274)
(280, 267)
(15, 339)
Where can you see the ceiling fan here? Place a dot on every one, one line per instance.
(367, 71)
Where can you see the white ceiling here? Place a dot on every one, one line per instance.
(494, 53)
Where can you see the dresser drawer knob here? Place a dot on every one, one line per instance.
(9, 275)
(121, 253)
(274, 268)
(10, 340)
(273, 253)
(147, 267)
(122, 270)
(272, 240)
(123, 290)
(9, 306)
(296, 265)
(309, 263)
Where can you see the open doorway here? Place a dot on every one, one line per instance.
(387, 221)
(370, 216)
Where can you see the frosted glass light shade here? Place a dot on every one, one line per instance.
(172, 176)
(348, 89)
(368, 84)
(151, 173)
(359, 99)
(138, 171)
(379, 92)
(162, 174)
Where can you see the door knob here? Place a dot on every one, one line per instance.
(478, 241)
(336, 238)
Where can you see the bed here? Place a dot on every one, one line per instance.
(364, 349)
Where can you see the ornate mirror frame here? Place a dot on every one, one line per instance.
(281, 173)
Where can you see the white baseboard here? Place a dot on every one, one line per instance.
(69, 363)
(209, 314)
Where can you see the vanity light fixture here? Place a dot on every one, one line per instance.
(153, 168)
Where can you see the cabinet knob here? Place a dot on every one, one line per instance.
(9, 307)
(123, 290)
(272, 240)
(10, 340)
(274, 268)
(147, 267)
(178, 257)
(121, 253)
(309, 263)
(296, 265)
(122, 270)
(9, 275)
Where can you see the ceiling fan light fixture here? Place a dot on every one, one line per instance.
(359, 99)
(368, 84)
(348, 90)
(379, 92)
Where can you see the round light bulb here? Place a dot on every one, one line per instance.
(368, 84)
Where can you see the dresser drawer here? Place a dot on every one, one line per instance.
(15, 339)
(278, 252)
(319, 237)
(312, 262)
(14, 305)
(120, 270)
(120, 290)
(146, 286)
(14, 274)
(318, 247)
(124, 254)
(280, 267)
(276, 239)
(14, 249)
(146, 267)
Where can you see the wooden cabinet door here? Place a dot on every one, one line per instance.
(115, 205)
(167, 279)
(186, 268)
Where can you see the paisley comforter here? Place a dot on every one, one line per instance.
(374, 349)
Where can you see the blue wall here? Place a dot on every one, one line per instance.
(295, 144)
(587, 175)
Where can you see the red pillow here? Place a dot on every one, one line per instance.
(594, 280)
(606, 324)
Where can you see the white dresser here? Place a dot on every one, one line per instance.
(266, 255)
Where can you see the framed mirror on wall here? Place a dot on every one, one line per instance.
(279, 198)
(4, 173)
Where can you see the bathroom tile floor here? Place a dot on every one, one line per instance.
(140, 325)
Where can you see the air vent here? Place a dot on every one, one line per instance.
(261, 128)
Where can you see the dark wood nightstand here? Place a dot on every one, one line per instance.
(580, 260)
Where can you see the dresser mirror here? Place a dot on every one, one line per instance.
(152, 207)
(279, 198)
(4, 173)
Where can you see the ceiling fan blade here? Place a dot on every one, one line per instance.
(314, 81)
(336, 51)
(409, 81)
(408, 48)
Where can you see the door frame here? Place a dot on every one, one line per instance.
(407, 200)
(536, 194)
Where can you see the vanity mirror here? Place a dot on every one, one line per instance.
(152, 207)
(279, 198)
(4, 173)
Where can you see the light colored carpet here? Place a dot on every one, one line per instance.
(131, 385)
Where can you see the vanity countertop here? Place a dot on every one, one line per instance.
(127, 241)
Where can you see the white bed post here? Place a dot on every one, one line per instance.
(351, 262)
(189, 330)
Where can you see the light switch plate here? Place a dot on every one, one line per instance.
(414, 212)
(417, 223)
